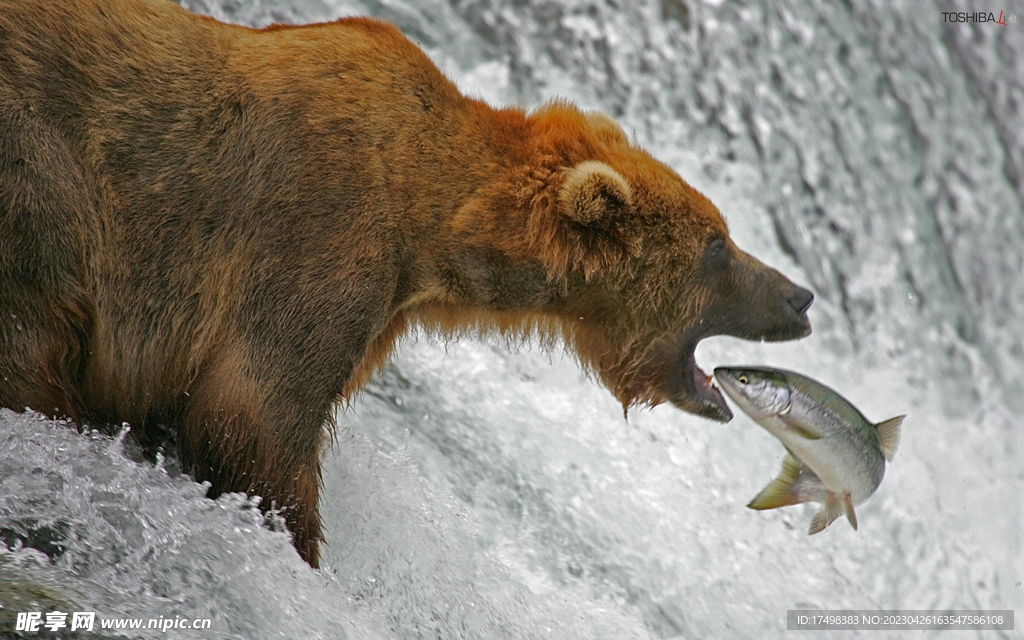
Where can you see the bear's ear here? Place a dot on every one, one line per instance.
(594, 193)
(593, 226)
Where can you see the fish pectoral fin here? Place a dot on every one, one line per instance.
(889, 434)
(848, 508)
(801, 429)
(828, 513)
(781, 491)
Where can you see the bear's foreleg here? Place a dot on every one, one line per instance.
(241, 436)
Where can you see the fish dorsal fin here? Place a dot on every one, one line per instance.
(832, 509)
(848, 508)
(802, 429)
(781, 491)
(889, 434)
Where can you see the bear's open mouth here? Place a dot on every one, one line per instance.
(712, 403)
(684, 384)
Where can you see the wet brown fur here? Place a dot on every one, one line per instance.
(223, 231)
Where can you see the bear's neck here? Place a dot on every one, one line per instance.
(475, 265)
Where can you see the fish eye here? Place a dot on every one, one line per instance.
(743, 379)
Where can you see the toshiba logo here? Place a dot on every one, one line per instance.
(979, 16)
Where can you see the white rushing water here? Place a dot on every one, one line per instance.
(869, 150)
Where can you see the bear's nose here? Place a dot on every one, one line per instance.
(800, 300)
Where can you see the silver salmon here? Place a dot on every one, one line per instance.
(836, 455)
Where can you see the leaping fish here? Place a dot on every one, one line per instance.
(836, 455)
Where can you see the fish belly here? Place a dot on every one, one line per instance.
(833, 469)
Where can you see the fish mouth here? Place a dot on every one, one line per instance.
(691, 389)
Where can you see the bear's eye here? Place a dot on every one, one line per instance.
(715, 252)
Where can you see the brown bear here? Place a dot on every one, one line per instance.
(221, 232)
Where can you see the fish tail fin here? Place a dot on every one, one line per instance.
(848, 508)
(781, 491)
(832, 509)
(889, 434)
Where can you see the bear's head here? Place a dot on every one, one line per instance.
(636, 266)
(657, 272)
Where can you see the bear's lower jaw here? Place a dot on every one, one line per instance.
(714, 406)
(690, 389)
